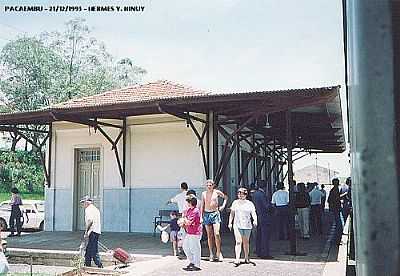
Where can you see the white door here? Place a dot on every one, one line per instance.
(88, 181)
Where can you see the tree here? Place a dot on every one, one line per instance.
(90, 69)
(58, 66)
(22, 170)
(30, 71)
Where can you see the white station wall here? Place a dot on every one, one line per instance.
(67, 141)
(163, 155)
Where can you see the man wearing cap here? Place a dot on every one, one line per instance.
(92, 232)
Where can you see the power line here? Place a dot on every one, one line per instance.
(12, 27)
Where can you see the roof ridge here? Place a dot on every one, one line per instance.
(149, 89)
(277, 90)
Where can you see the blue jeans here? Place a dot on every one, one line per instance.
(92, 250)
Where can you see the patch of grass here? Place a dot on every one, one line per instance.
(7, 196)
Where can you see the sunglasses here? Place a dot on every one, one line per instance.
(242, 193)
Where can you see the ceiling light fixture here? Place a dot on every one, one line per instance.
(267, 125)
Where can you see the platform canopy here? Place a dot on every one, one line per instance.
(316, 112)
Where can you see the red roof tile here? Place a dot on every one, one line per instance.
(140, 93)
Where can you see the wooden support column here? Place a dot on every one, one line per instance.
(292, 209)
(208, 145)
(123, 176)
(238, 156)
(50, 153)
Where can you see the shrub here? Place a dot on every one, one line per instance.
(21, 169)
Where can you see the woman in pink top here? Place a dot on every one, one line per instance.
(191, 242)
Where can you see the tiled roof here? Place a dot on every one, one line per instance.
(166, 90)
(140, 93)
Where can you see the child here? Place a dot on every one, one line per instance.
(191, 242)
(174, 231)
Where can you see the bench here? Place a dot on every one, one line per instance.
(163, 217)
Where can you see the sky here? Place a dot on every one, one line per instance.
(221, 46)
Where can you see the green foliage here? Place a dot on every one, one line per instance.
(30, 72)
(22, 170)
(60, 65)
(36, 196)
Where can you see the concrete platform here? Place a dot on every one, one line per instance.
(152, 257)
(144, 246)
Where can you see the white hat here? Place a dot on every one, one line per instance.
(86, 198)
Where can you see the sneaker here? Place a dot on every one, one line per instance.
(236, 264)
(211, 258)
(192, 268)
(195, 268)
(220, 258)
(190, 265)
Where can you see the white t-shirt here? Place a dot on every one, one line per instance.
(280, 198)
(180, 200)
(93, 214)
(243, 210)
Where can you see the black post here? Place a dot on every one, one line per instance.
(292, 210)
(124, 152)
(238, 155)
(50, 152)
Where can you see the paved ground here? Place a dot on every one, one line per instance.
(154, 257)
(169, 266)
(24, 269)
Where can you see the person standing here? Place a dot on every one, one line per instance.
(174, 229)
(323, 198)
(212, 218)
(345, 195)
(180, 199)
(242, 211)
(280, 199)
(92, 232)
(334, 208)
(191, 242)
(264, 220)
(16, 214)
(302, 203)
(316, 215)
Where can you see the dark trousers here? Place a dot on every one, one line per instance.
(339, 225)
(15, 220)
(283, 221)
(316, 218)
(262, 239)
(92, 250)
(345, 211)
